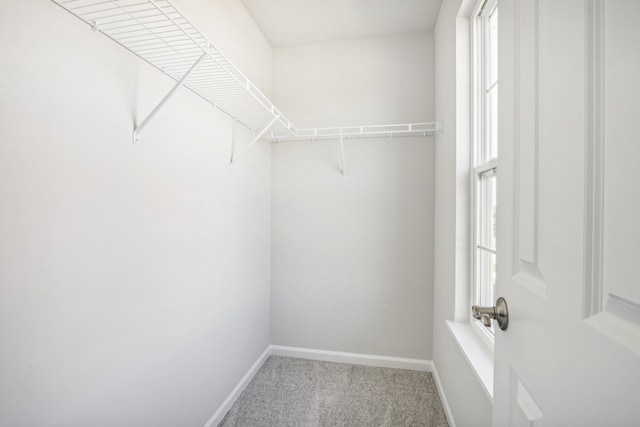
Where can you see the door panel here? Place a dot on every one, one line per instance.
(527, 272)
(568, 214)
(616, 158)
(621, 150)
(524, 410)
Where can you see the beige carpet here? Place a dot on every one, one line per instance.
(298, 392)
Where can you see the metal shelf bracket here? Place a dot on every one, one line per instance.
(254, 140)
(143, 124)
(342, 163)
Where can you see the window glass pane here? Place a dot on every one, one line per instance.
(493, 209)
(491, 113)
(492, 123)
(485, 292)
(493, 48)
(487, 210)
(486, 239)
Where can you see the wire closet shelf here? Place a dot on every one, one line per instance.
(157, 32)
(358, 132)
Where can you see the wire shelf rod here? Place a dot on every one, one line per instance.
(143, 41)
(208, 82)
(178, 25)
(144, 25)
(109, 9)
(147, 31)
(115, 15)
(360, 132)
(149, 47)
(90, 5)
(186, 54)
(133, 29)
(105, 25)
(109, 26)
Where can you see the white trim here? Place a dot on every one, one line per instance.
(594, 289)
(443, 397)
(476, 352)
(353, 358)
(484, 334)
(217, 417)
(328, 356)
(486, 167)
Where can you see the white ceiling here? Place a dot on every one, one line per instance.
(295, 22)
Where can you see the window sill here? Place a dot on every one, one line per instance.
(479, 355)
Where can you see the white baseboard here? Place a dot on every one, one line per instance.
(353, 358)
(237, 391)
(328, 356)
(443, 398)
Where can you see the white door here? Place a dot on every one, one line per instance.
(569, 214)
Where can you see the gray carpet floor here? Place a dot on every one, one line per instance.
(298, 392)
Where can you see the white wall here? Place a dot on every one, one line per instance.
(469, 403)
(134, 280)
(355, 82)
(352, 255)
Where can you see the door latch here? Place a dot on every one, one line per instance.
(499, 312)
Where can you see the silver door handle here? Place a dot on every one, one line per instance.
(500, 313)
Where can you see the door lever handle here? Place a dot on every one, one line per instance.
(499, 312)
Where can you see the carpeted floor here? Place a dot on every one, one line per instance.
(298, 392)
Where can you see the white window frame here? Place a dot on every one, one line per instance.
(481, 162)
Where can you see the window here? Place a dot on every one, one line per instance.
(485, 153)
